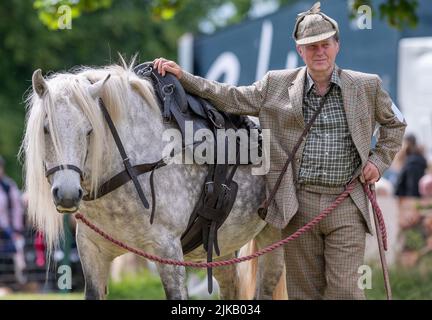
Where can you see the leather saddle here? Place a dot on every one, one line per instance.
(219, 190)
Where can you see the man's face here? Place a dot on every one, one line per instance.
(319, 56)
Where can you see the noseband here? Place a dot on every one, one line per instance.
(64, 167)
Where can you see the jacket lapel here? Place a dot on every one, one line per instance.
(353, 112)
(295, 91)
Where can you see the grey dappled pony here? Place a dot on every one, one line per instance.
(65, 126)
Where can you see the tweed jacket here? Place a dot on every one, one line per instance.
(277, 100)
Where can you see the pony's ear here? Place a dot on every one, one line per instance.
(96, 87)
(39, 84)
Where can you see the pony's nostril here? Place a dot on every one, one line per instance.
(55, 192)
(67, 199)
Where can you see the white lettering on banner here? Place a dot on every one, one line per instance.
(227, 63)
(264, 49)
(292, 60)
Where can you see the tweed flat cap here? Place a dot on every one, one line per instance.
(313, 26)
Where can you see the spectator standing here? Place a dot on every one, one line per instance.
(413, 169)
(11, 223)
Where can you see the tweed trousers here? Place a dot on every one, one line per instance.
(323, 263)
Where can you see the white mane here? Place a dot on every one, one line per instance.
(74, 86)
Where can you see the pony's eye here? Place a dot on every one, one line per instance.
(89, 133)
(45, 130)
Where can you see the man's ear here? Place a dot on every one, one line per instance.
(337, 45)
(299, 50)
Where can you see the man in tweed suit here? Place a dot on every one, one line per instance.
(324, 262)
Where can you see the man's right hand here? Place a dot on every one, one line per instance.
(163, 66)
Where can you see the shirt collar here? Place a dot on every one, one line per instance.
(333, 79)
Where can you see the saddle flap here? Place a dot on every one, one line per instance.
(214, 115)
(196, 106)
(193, 236)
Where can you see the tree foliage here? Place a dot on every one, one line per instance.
(397, 13)
(49, 11)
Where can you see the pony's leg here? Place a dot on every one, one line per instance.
(227, 279)
(173, 277)
(95, 264)
(270, 265)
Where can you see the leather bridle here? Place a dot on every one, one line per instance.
(130, 172)
(64, 167)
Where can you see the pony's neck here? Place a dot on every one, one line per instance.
(143, 129)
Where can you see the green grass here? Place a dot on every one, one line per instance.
(407, 283)
(43, 296)
(144, 286)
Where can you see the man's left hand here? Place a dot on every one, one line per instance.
(370, 173)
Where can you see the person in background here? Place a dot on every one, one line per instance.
(413, 169)
(11, 222)
(425, 185)
(411, 194)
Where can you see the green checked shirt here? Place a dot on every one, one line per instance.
(330, 156)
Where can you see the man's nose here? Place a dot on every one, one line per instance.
(320, 50)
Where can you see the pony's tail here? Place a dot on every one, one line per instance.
(247, 272)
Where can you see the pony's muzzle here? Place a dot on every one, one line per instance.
(67, 200)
